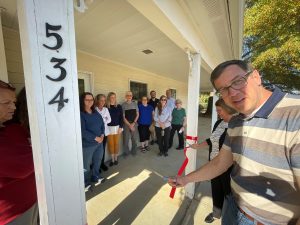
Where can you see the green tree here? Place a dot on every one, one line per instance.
(272, 40)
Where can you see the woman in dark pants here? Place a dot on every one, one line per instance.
(220, 186)
(163, 118)
(92, 132)
(178, 124)
(144, 121)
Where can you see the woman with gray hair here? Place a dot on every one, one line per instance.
(178, 124)
(100, 104)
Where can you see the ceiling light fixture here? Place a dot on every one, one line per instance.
(147, 51)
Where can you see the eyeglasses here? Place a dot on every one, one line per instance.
(6, 86)
(236, 85)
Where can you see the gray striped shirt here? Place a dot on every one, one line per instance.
(266, 152)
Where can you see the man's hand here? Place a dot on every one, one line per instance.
(177, 181)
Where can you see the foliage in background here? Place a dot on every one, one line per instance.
(203, 100)
(272, 40)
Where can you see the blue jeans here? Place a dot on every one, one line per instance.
(231, 215)
(92, 155)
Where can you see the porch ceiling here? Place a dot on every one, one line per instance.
(117, 31)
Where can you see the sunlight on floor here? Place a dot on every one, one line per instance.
(139, 195)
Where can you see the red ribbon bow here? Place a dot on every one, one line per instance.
(185, 162)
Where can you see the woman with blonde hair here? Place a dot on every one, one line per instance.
(115, 127)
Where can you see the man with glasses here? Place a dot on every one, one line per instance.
(171, 100)
(130, 116)
(262, 143)
(153, 101)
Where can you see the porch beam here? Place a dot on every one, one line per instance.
(214, 115)
(192, 116)
(49, 59)
(3, 66)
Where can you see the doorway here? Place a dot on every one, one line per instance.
(84, 82)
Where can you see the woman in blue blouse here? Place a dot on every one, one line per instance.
(92, 130)
(144, 121)
(163, 118)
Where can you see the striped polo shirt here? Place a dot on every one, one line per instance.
(266, 155)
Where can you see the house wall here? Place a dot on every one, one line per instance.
(13, 54)
(107, 75)
(110, 76)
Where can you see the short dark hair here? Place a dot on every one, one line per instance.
(6, 86)
(221, 67)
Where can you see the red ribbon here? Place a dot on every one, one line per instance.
(185, 162)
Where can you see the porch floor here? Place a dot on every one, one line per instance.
(135, 192)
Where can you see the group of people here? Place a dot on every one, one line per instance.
(254, 164)
(103, 120)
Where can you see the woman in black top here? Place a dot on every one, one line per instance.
(220, 186)
(115, 127)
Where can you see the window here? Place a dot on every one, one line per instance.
(138, 90)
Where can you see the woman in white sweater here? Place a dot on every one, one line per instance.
(100, 107)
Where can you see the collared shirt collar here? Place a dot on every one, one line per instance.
(266, 109)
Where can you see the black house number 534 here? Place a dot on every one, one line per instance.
(51, 32)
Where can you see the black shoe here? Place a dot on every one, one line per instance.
(104, 167)
(116, 162)
(179, 148)
(166, 154)
(152, 142)
(210, 218)
(111, 163)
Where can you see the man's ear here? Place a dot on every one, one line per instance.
(257, 77)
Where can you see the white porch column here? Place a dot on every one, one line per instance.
(49, 59)
(3, 67)
(214, 115)
(192, 115)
